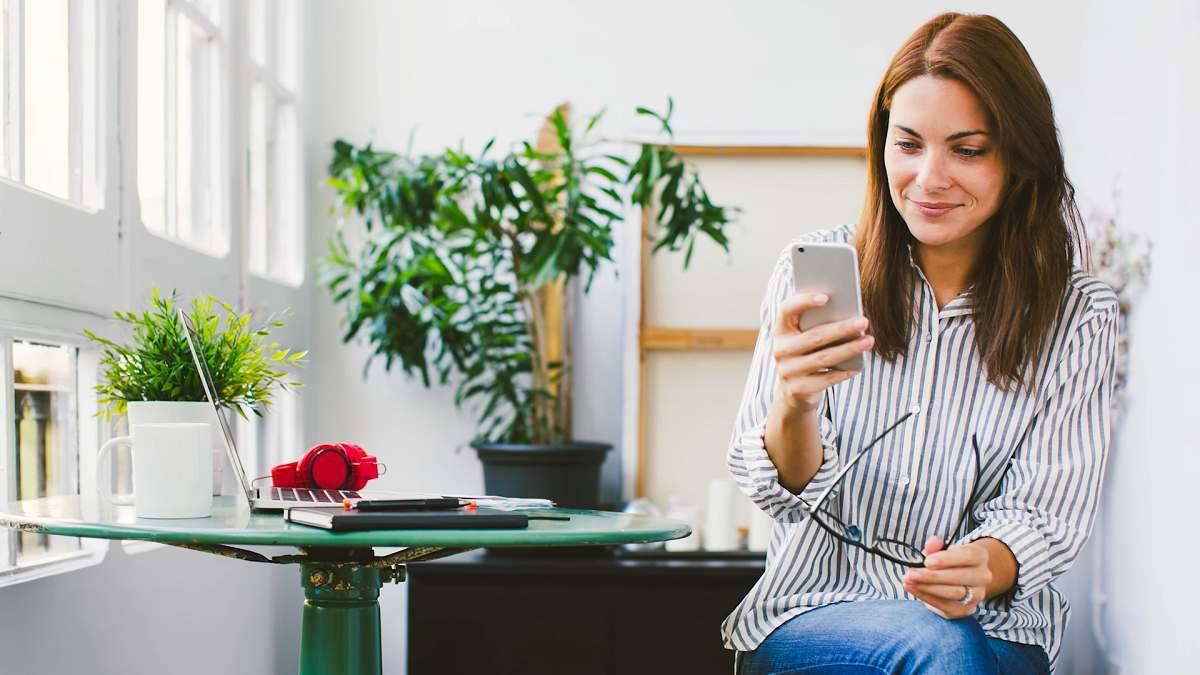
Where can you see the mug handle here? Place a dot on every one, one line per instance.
(102, 484)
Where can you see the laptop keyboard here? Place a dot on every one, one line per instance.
(312, 496)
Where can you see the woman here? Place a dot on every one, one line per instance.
(979, 326)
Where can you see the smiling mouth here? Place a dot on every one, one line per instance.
(934, 209)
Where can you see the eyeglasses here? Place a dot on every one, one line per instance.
(896, 551)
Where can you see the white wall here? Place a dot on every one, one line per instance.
(460, 71)
(165, 611)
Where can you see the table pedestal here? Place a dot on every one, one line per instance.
(340, 632)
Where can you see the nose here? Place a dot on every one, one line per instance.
(932, 176)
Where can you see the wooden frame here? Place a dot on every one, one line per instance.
(662, 338)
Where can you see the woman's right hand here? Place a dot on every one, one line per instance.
(805, 359)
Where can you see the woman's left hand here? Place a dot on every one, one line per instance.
(947, 574)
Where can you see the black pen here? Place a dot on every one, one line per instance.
(431, 504)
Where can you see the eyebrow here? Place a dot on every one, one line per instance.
(951, 137)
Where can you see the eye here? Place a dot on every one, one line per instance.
(971, 152)
(906, 146)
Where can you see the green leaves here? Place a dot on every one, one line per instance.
(459, 246)
(156, 365)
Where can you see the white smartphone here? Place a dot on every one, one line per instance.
(832, 269)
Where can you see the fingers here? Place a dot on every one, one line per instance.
(793, 307)
(795, 342)
(973, 575)
(932, 545)
(950, 608)
(824, 359)
(942, 592)
(960, 555)
(806, 359)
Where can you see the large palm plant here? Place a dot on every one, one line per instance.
(459, 251)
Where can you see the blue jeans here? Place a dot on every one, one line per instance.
(887, 636)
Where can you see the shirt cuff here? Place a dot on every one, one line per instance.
(1029, 549)
(763, 477)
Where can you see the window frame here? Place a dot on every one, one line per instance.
(278, 94)
(39, 226)
(220, 125)
(91, 551)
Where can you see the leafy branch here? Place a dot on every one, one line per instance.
(458, 249)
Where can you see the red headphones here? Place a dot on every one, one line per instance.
(337, 466)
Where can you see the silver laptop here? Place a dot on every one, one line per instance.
(271, 498)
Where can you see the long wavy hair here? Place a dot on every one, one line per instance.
(1018, 283)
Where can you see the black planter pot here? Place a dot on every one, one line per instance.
(568, 473)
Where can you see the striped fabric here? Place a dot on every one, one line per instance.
(1039, 496)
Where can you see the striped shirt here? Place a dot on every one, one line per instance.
(1038, 495)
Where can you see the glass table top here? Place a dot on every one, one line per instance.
(233, 523)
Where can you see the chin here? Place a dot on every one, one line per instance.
(934, 233)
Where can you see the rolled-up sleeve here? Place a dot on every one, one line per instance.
(1048, 497)
(748, 461)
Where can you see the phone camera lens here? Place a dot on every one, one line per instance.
(801, 249)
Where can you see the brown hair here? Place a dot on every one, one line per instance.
(1019, 280)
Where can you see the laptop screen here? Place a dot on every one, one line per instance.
(210, 391)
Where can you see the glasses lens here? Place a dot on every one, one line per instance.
(837, 527)
(900, 551)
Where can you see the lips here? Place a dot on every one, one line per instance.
(935, 209)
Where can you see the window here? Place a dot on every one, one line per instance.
(42, 447)
(49, 112)
(181, 129)
(275, 203)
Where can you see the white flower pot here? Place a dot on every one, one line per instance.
(146, 412)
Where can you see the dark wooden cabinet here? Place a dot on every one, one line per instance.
(598, 614)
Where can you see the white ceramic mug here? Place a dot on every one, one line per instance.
(153, 412)
(172, 469)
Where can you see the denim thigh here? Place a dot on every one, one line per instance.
(896, 637)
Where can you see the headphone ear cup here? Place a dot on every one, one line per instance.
(330, 469)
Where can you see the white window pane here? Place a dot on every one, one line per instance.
(187, 68)
(88, 170)
(5, 57)
(285, 239)
(197, 146)
(47, 97)
(151, 115)
(257, 12)
(45, 414)
(286, 30)
(257, 189)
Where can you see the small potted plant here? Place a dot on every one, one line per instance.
(153, 377)
(460, 252)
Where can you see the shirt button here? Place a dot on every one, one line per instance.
(904, 481)
(916, 409)
(929, 337)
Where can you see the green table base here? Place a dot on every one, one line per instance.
(340, 633)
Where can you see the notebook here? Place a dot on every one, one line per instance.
(340, 519)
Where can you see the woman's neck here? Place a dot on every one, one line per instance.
(948, 268)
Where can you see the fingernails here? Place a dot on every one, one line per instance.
(820, 298)
(861, 322)
(866, 340)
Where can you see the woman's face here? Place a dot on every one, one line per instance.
(944, 173)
